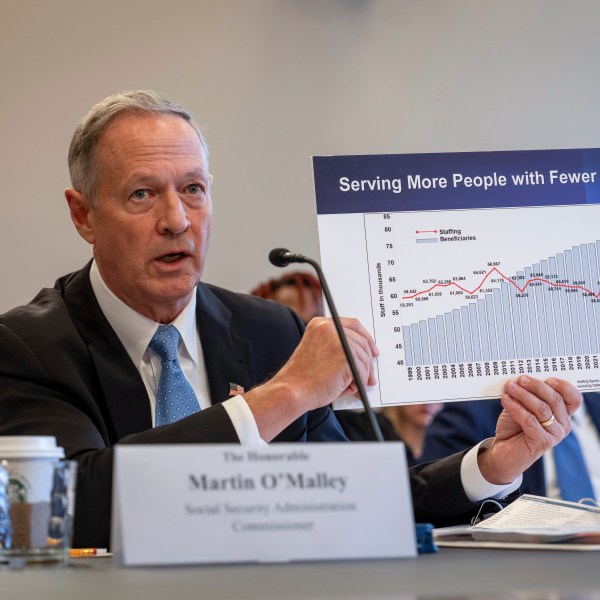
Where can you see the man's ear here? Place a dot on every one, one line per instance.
(80, 208)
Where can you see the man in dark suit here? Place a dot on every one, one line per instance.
(461, 424)
(132, 349)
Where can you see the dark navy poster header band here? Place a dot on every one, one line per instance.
(411, 182)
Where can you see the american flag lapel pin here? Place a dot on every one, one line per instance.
(235, 389)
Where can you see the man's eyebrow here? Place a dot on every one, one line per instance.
(199, 174)
(136, 178)
(139, 176)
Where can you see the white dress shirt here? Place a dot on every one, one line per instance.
(135, 332)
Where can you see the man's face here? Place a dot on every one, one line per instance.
(151, 223)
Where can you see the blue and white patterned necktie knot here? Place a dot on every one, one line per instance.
(175, 398)
(165, 341)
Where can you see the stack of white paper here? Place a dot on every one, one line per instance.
(529, 521)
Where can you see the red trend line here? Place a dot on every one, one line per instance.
(426, 231)
(521, 290)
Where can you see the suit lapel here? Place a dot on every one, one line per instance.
(125, 396)
(228, 357)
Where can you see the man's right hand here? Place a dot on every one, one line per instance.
(315, 375)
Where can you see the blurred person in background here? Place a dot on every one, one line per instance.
(299, 290)
(410, 422)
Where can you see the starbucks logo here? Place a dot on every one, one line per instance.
(17, 492)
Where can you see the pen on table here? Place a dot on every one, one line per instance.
(78, 552)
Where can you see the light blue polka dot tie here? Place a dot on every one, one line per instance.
(175, 398)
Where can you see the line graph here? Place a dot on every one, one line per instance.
(507, 279)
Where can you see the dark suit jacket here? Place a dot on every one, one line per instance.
(462, 424)
(64, 372)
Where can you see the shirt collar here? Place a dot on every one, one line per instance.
(135, 330)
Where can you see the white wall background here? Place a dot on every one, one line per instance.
(273, 82)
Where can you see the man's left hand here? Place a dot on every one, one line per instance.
(536, 417)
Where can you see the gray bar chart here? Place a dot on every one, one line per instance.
(549, 309)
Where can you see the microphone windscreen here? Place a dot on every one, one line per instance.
(279, 257)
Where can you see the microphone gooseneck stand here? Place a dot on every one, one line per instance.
(280, 257)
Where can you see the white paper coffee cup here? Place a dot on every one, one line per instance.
(31, 461)
(37, 500)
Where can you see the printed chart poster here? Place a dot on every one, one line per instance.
(468, 268)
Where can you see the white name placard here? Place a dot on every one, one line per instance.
(182, 504)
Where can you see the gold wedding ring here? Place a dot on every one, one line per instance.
(548, 422)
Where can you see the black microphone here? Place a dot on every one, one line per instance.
(281, 257)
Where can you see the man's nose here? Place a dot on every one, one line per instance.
(173, 217)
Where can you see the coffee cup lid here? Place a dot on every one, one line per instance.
(29, 446)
